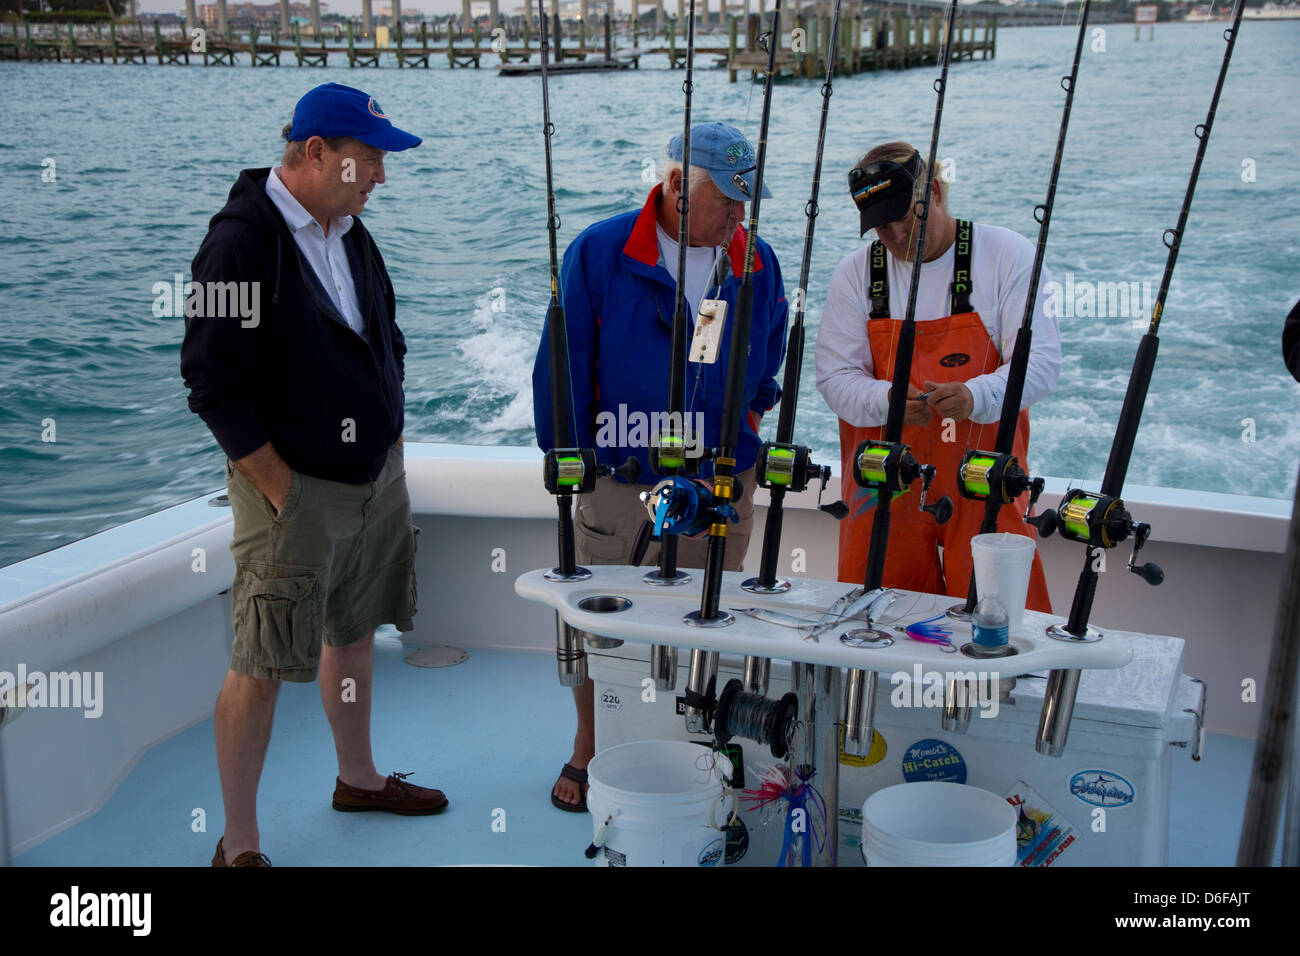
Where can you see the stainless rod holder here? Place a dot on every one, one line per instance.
(816, 746)
(570, 654)
(1058, 707)
(859, 712)
(956, 706)
(757, 672)
(663, 666)
(703, 675)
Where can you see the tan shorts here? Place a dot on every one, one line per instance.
(334, 564)
(607, 521)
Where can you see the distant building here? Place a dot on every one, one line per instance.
(262, 12)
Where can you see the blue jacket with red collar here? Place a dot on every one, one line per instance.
(619, 303)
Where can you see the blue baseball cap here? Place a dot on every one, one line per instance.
(333, 109)
(725, 153)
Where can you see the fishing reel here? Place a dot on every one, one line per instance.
(684, 506)
(789, 467)
(890, 468)
(668, 455)
(986, 474)
(1100, 521)
(573, 471)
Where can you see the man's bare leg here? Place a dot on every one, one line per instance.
(245, 708)
(584, 743)
(348, 709)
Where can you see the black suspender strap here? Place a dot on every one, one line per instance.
(961, 268)
(879, 282)
(961, 284)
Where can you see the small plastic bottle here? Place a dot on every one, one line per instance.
(990, 622)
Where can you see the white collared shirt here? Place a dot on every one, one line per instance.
(326, 254)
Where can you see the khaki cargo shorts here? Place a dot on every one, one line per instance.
(334, 564)
(607, 521)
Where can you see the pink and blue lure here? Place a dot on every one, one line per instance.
(928, 632)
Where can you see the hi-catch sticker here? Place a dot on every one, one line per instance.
(932, 759)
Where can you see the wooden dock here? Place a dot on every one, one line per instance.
(866, 42)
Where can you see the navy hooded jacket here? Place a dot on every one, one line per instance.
(327, 399)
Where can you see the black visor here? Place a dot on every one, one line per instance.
(883, 190)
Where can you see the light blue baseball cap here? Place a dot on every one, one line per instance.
(726, 154)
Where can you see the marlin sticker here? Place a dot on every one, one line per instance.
(1102, 788)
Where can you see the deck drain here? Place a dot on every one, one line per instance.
(436, 656)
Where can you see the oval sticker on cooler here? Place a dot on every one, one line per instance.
(711, 855)
(611, 701)
(933, 759)
(1102, 788)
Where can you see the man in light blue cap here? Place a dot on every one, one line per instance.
(304, 397)
(619, 284)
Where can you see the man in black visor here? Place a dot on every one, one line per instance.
(970, 303)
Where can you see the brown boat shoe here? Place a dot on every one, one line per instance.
(248, 858)
(398, 796)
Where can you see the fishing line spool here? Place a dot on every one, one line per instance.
(890, 468)
(986, 475)
(755, 717)
(1101, 521)
(573, 471)
(790, 467)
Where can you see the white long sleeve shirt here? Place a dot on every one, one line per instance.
(1001, 262)
(326, 255)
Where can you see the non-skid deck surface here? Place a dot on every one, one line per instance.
(491, 733)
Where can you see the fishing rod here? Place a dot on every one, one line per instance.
(1100, 520)
(668, 455)
(996, 477)
(888, 467)
(679, 506)
(781, 465)
(566, 470)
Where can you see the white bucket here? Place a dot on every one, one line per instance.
(1004, 561)
(932, 823)
(657, 803)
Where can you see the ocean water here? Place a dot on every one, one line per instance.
(143, 156)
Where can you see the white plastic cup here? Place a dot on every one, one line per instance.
(1003, 561)
(933, 823)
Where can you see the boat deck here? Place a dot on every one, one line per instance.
(491, 733)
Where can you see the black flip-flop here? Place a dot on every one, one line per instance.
(570, 772)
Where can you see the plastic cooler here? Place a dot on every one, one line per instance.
(1104, 802)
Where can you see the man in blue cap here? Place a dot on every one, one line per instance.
(303, 392)
(619, 285)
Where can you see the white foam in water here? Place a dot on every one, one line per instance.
(503, 358)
